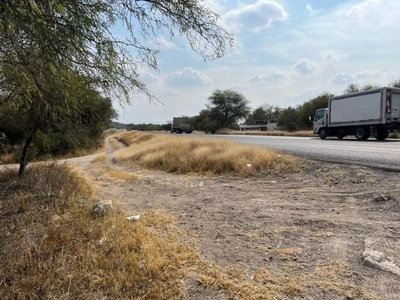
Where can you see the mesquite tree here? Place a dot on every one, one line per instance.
(227, 107)
(46, 47)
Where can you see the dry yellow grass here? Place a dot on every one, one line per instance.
(134, 137)
(8, 159)
(114, 174)
(200, 156)
(52, 248)
(99, 158)
(109, 172)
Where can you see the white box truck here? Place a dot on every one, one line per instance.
(368, 113)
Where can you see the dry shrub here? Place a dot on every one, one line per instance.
(134, 137)
(8, 159)
(202, 156)
(52, 248)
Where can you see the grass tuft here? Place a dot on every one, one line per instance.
(52, 248)
(199, 156)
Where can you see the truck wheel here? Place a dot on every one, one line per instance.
(361, 134)
(382, 135)
(323, 134)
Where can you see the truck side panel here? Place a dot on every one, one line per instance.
(178, 121)
(395, 106)
(357, 110)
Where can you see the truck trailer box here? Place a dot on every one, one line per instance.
(357, 109)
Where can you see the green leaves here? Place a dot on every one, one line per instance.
(227, 107)
(35, 7)
(56, 54)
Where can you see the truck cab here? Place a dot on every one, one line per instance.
(320, 122)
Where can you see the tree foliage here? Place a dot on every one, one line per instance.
(205, 121)
(226, 108)
(297, 118)
(265, 112)
(66, 131)
(49, 48)
(70, 36)
(353, 88)
(395, 83)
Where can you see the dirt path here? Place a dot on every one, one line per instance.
(331, 227)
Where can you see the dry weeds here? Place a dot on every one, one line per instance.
(52, 248)
(200, 156)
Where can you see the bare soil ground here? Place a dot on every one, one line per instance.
(333, 227)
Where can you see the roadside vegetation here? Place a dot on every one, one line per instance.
(198, 155)
(52, 247)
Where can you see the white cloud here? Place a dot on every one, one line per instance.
(187, 77)
(149, 78)
(333, 58)
(309, 7)
(166, 92)
(270, 76)
(164, 44)
(255, 17)
(363, 9)
(305, 66)
(343, 78)
(364, 77)
(214, 5)
(240, 88)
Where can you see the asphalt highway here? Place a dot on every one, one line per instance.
(379, 154)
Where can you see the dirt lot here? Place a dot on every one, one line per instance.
(334, 228)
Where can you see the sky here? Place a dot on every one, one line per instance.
(286, 52)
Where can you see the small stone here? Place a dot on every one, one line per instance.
(133, 218)
(102, 208)
(380, 197)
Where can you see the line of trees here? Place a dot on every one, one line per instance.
(227, 108)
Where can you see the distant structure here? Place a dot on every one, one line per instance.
(259, 125)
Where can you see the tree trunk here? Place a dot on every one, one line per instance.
(24, 160)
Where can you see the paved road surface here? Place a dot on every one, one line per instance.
(381, 154)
